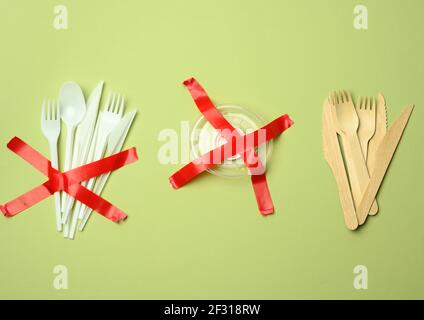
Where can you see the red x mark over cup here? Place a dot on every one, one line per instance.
(236, 145)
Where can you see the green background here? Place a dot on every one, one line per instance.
(208, 240)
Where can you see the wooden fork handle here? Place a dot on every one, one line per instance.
(346, 201)
(357, 169)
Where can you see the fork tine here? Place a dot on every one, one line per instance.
(333, 101)
(121, 108)
(116, 107)
(348, 96)
(112, 97)
(112, 103)
(342, 98)
(345, 99)
(57, 111)
(336, 98)
(43, 110)
(48, 110)
(106, 106)
(374, 103)
(54, 110)
(359, 104)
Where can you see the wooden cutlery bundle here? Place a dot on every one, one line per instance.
(360, 158)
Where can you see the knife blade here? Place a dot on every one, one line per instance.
(380, 131)
(86, 128)
(383, 158)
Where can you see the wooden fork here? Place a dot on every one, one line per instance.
(346, 123)
(365, 108)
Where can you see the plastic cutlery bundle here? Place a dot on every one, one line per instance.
(367, 145)
(92, 135)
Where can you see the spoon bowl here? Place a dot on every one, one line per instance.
(71, 104)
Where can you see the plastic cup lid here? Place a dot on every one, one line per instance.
(205, 138)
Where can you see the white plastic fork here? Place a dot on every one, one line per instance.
(108, 120)
(50, 126)
(115, 143)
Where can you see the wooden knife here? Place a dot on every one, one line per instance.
(383, 158)
(333, 155)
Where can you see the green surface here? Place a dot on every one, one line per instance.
(208, 240)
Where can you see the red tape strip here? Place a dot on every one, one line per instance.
(215, 118)
(68, 181)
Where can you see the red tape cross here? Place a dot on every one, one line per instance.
(68, 181)
(215, 118)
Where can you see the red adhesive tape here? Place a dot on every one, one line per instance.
(231, 135)
(68, 181)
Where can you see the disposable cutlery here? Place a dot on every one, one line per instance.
(108, 119)
(382, 161)
(50, 126)
(115, 143)
(72, 110)
(346, 123)
(90, 158)
(333, 155)
(84, 138)
(380, 132)
(91, 136)
(365, 109)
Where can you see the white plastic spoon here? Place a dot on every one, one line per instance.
(72, 110)
(83, 138)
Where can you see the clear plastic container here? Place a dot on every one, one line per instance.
(205, 138)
